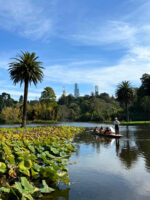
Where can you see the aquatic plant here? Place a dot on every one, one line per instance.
(33, 160)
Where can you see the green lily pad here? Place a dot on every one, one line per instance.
(2, 167)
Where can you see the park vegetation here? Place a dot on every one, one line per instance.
(129, 104)
(33, 160)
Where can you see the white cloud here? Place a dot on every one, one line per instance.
(108, 33)
(25, 17)
(15, 93)
(130, 67)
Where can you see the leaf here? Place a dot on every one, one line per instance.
(27, 186)
(54, 150)
(2, 167)
(12, 173)
(34, 173)
(46, 188)
(63, 154)
(26, 172)
(36, 167)
(10, 158)
(25, 164)
(4, 189)
(19, 187)
(7, 149)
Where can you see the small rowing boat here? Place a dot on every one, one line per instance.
(108, 134)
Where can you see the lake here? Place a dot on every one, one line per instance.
(109, 169)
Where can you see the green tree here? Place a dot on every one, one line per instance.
(145, 84)
(48, 95)
(125, 95)
(26, 69)
(6, 101)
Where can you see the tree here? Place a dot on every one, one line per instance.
(6, 101)
(21, 99)
(26, 69)
(48, 95)
(145, 84)
(125, 95)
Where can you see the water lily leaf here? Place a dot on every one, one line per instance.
(62, 173)
(19, 187)
(2, 167)
(4, 189)
(63, 154)
(32, 149)
(46, 188)
(27, 186)
(12, 173)
(36, 167)
(7, 149)
(54, 150)
(34, 173)
(26, 172)
(25, 164)
(10, 158)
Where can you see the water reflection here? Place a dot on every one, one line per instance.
(128, 154)
(109, 169)
(59, 194)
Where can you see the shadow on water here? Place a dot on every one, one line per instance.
(59, 194)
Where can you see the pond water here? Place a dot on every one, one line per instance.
(76, 124)
(109, 169)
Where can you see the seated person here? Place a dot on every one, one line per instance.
(96, 129)
(107, 130)
(101, 129)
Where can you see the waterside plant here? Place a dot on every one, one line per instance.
(33, 160)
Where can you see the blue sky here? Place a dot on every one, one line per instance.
(91, 42)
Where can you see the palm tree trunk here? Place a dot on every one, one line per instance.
(25, 104)
(127, 113)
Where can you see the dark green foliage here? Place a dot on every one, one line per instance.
(125, 95)
(48, 95)
(26, 69)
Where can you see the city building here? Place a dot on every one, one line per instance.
(96, 90)
(76, 91)
(64, 91)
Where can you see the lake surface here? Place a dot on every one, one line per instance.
(108, 169)
(76, 124)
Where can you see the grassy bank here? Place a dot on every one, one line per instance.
(131, 123)
(33, 160)
(136, 123)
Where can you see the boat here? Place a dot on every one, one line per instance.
(109, 134)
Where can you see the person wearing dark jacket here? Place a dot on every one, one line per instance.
(116, 123)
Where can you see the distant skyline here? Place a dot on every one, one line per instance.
(89, 42)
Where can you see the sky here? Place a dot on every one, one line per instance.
(89, 42)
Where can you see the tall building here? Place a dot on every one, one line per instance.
(76, 91)
(96, 90)
(64, 91)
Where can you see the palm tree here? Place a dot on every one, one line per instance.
(26, 69)
(125, 95)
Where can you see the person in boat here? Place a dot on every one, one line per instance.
(116, 123)
(107, 130)
(101, 130)
(95, 129)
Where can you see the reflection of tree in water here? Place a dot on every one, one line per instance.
(128, 154)
(58, 195)
(144, 149)
(89, 139)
